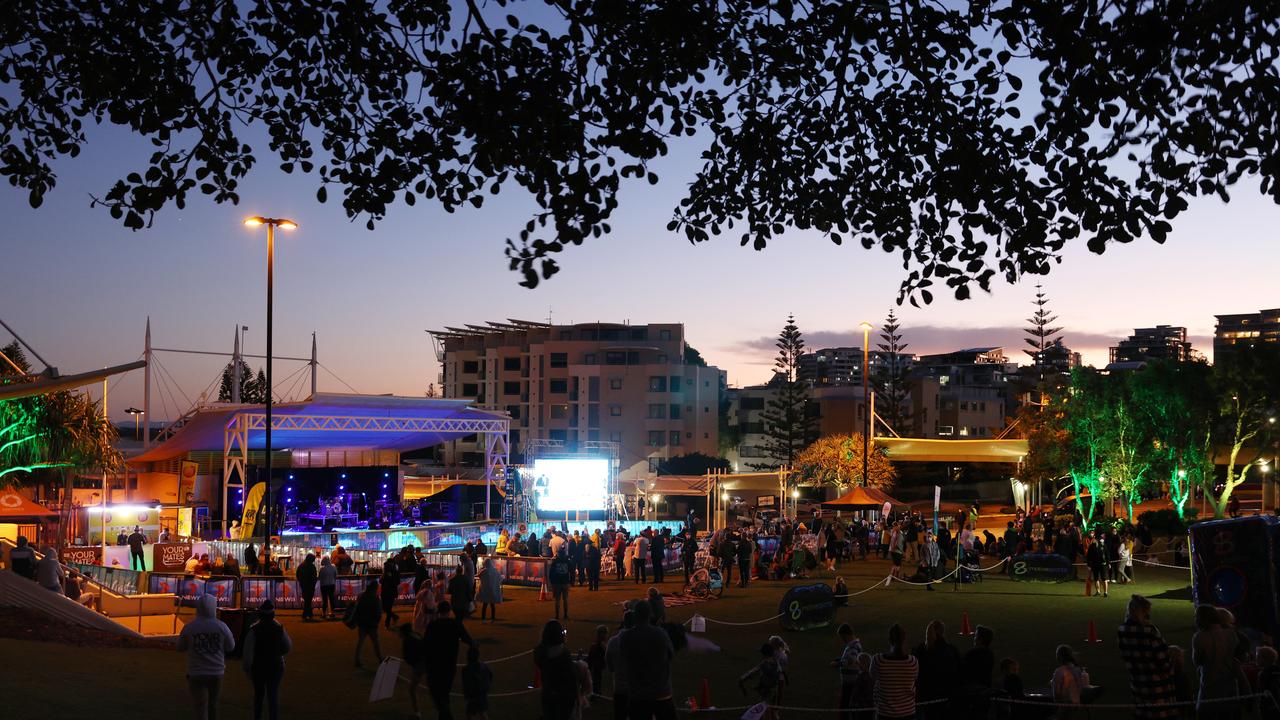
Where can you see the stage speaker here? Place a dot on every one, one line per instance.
(1233, 566)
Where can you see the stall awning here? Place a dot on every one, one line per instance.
(14, 507)
(861, 498)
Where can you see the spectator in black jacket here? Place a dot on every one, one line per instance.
(658, 553)
(307, 574)
(440, 645)
(390, 584)
(265, 646)
(365, 617)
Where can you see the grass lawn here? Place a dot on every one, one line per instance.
(1029, 621)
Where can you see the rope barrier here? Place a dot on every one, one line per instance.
(503, 659)
(1130, 706)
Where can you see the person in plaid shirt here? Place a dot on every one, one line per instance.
(1147, 656)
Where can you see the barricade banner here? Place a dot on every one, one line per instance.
(1035, 567)
(807, 606)
(164, 584)
(223, 589)
(349, 587)
(170, 557)
(285, 594)
(118, 580)
(254, 591)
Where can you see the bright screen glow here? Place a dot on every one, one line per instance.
(578, 484)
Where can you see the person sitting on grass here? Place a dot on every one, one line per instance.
(657, 607)
(841, 592)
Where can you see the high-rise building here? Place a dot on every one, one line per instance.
(1245, 330)
(1056, 358)
(747, 407)
(1162, 342)
(626, 389)
(843, 365)
(961, 394)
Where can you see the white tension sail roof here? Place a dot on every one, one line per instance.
(334, 420)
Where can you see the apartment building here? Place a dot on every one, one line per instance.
(962, 394)
(620, 388)
(746, 411)
(843, 366)
(1162, 342)
(1245, 330)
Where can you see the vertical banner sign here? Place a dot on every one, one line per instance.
(937, 503)
(184, 522)
(251, 502)
(187, 482)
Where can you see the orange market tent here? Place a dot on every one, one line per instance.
(861, 498)
(15, 508)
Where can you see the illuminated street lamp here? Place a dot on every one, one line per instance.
(272, 224)
(866, 407)
(135, 412)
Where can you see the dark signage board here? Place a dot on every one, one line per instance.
(1033, 567)
(808, 606)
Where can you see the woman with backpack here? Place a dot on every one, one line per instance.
(265, 646)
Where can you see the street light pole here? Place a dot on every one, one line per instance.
(272, 224)
(866, 415)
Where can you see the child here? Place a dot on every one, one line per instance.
(863, 684)
(477, 679)
(767, 677)
(841, 593)
(595, 657)
(1011, 683)
(1181, 683)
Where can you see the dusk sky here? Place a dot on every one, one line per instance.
(79, 287)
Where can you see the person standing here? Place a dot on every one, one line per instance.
(490, 595)
(938, 670)
(932, 560)
(594, 559)
(364, 618)
(136, 540)
(647, 652)
(250, 559)
(1146, 655)
(389, 584)
(477, 679)
(440, 644)
(847, 665)
(265, 646)
(206, 640)
(560, 577)
(1213, 651)
(689, 552)
(640, 559)
(459, 592)
(894, 676)
(658, 554)
(728, 556)
(578, 557)
(307, 575)
(596, 661)
(559, 676)
(1096, 557)
(745, 548)
(619, 554)
(328, 577)
(616, 664)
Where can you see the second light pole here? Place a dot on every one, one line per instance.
(866, 400)
(272, 224)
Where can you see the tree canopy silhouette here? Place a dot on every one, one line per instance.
(891, 125)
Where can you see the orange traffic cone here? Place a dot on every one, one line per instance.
(1093, 633)
(964, 625)
(692, 703)
(543, 593)
(704, 702)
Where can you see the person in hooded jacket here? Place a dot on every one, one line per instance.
(251, 559)
(22, 559)
(328, 577)
(206, 640)
(307, 576)
(49, 572)
(265, 646)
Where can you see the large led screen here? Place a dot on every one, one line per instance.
(571, 484)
